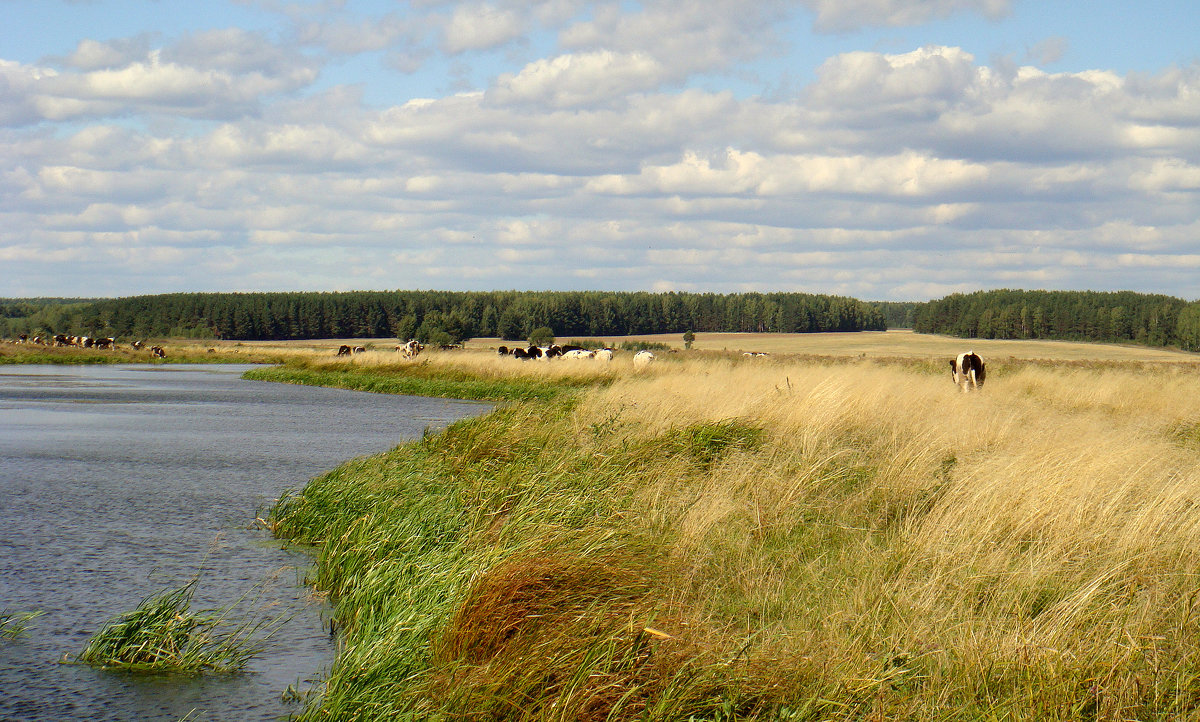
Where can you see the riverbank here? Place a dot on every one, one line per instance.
(729, 539)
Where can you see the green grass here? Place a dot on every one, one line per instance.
(164, 635)
(15, 624)
(416, 381)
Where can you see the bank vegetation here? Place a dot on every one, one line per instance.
(720, 538)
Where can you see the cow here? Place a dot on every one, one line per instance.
(578, 353)
(503, 350)
(344, 350)
(410, 348)
(137, 345)
(642, 359)
(604, 354)
(60, 340)
(106, 343)
(158, 352)
(23, 338)
(968, 371)
(358, 349)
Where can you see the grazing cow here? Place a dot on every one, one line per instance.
(106, 343)
(642, 359)
(604, 354)
(359, 349)
(137, 345)
(60, 340)
(158, 352)
(968, 371)
(410, 348)
(344, 350)
(533, 352)
(23, 338)
(503, 350)
(578, 353)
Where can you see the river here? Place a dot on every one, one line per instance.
(119, 481)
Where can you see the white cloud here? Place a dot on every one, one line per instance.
(580, 80)
(846, 15)
(480, 27)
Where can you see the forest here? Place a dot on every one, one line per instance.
(453, 316)
(436, 316)
(1116, 317)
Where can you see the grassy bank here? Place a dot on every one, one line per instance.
(729, 540)
(413, 379)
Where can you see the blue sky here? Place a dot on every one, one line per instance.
(882, 149)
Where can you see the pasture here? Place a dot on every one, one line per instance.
(718, 538)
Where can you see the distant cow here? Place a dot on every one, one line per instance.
(410, 348)
(105, 343)
(344, 350)
(137, 345)
(642, 359)
(158, 352)
(968, 371)
(604, 354)
(578, 353)
(358, 349)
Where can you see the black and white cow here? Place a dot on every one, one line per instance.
(158, 352)
(344, 350)
(968, 371)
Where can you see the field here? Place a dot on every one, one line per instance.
(810, 536)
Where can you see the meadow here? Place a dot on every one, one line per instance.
(805, 536)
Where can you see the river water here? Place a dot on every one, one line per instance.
(119, 481)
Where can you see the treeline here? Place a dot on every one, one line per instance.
(443, 316)
(1125, 316)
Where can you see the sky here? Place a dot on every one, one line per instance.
(889, 150)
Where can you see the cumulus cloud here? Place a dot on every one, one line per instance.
(218, 74)
(579, 80)
(596, 162)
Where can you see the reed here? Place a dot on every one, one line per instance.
(16, 624)
(163, 634)
(796, 539)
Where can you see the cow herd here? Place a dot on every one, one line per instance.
(102, 343)
(408, 349)
(566, 351)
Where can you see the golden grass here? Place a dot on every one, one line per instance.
(851, 537)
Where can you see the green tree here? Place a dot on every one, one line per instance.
(541, 336)
(688, 338)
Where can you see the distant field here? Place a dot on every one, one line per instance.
(908, 344)
(869, 344)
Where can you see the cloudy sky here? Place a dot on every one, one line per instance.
(881, 149)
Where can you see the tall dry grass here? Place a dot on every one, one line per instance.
(724, 539)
